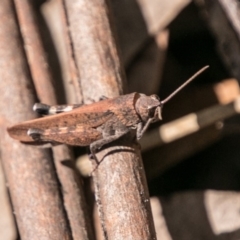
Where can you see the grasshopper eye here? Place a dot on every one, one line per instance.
(154, 96)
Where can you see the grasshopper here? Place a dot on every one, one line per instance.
(95, 124)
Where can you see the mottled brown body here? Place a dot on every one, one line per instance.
(104, 120)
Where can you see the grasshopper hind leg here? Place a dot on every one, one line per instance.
(72, 135)
(45, 109)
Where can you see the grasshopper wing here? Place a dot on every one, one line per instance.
(88, 116)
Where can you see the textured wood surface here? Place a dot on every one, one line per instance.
(71, 184)
(120, 184)
(30, 173)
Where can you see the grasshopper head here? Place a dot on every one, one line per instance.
(149, 107)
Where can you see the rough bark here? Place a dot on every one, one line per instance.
(120, 184)
(71, 185)
(30, 173)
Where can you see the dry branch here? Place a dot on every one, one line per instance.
(36, 55)
(73, 194)
(8, 228)
(119, 180)
(189, 124)
(55, 18)
(168, 133)
(30, 172)
(71, 184)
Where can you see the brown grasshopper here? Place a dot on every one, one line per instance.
(95, 124)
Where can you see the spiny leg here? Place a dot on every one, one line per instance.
(45, 109)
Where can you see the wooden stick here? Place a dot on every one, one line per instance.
(30, 172)
(8, 226)
(189, 124)
(120, 183)
(163, 157)
(72, 192)
(36, 55)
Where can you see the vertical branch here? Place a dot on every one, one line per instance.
(73, 70)
(8, 226)
(30, 173)
(72, 191)
(36, 55)
(73, 194)
(120, 183)
(96, 54)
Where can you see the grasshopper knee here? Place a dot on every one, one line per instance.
(34, 133)
(41, 108)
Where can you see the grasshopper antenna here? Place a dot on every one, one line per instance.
(184, 85)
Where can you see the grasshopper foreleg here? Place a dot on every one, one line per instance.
(141, 128)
